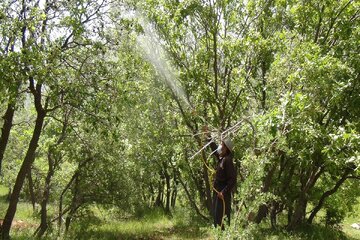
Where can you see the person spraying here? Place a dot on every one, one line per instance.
(225, 178)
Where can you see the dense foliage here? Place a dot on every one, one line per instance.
(105, 103)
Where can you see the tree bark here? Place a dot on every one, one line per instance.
(262, 213)
(8, 117)
(43, 212)
(300, 208)
(24, 169)
(273, 213)
(74, 206)
(208, 189)
(159, 197)
(328, 194)
(192, 201)
(299, 212)
(263, 209)
(53, 163)
(290, 213)
(263, 81)
(45, 198)
(67, 187)
(61, 212)
(168, 190)
(5, 130)
(31, 189)
(173, 197)
(174, 192)
(28, 160)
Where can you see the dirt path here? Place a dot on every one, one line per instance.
(19, 224)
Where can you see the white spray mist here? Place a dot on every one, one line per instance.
(153, 51)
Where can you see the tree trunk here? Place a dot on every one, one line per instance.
(24, 169)
(273, 213)
(177, 176)
(198, 180)
(328, 194)
(174, 192)
(299, 213)
(191, 199)
(45, 198)
(73, 179)
(159, 197)
(276, 208)
(290, 213)
(173, 197)
(5, 130)
(60, 213)
(300, 208)
(53, 163)
(263, 209)
(152, 194)
(168, 191)
(75, 204)
(262, 213)
(263, 81)
(31, 189)
(208, 188)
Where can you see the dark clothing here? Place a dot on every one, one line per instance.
(225, 180)
(218, 206)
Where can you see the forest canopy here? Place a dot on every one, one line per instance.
(104, 103)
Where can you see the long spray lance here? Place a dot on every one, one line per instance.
(224, 134)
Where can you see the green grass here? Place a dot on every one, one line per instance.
(24, 221)
(312, 232)
(354, 217)
(3, 193)
(104, 224)
(315, 231)
(131, 229)
(155, 225)
(24, 210)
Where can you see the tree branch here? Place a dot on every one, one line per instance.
(327, 194)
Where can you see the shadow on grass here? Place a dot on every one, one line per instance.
(308, 232)
(147, 231)
(3, 194)
(153, 226)
(4, 198)
(172, 233)
(108, 234)
(186, 232)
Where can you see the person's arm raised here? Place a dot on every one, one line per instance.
(213, 145)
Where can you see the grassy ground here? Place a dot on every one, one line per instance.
(350, 219)
(156, 225)
(153, 226)
(24, 218)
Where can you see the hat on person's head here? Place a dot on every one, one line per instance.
(228, 143)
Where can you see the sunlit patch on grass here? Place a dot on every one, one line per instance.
(354, 217)
(155, 224)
